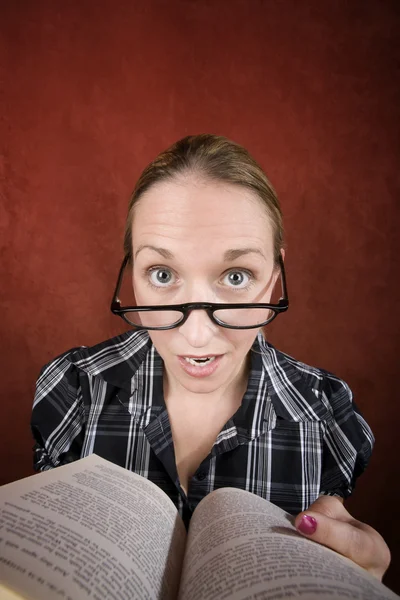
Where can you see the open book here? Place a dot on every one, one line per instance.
(93, 530)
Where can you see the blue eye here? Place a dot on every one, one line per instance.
(237, 279)
(161, 277)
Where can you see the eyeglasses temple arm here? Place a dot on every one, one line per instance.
(283, 275)
(115, 298)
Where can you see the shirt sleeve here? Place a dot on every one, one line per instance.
(57, 420)
(348, 440)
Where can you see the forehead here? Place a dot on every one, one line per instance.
(192, 210)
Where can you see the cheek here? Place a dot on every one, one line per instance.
(162, 341)
(243, 340)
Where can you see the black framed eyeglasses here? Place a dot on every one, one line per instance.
(231, 316)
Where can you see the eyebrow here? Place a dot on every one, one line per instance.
(229, 255)
(238, 252)
(163, 251)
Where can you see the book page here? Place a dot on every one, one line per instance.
(89, 529)
(7, 594)
(241, 547)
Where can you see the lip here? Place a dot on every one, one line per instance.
(198, 355)
(200, 372)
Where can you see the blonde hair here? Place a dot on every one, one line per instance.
(217, 159)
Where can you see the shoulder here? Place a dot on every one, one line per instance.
(302, 392)
(69, 383)
(296, 382)
(278, 362)
(114, 359)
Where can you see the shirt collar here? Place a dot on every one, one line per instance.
(278, 387)
(116, 361)
(294, 387)
(276, 391)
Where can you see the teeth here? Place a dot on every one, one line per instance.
(200, 362)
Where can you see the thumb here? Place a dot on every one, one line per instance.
(330, 506)
(320, 520)
(329, 523)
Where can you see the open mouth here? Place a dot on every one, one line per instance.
(199, 362)
(200, 366)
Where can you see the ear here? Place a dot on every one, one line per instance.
(277, 270)
(277, 273)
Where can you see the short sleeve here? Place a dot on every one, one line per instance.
(348, 440)
(57, 420)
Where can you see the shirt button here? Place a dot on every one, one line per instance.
(202, 475)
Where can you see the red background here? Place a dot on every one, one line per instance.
(92, 91)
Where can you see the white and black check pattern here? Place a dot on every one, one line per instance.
(297, 434)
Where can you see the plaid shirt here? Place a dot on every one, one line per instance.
(296, 435)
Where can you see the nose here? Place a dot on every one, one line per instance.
(198, 329)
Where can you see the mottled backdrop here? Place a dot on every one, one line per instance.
(92, 91)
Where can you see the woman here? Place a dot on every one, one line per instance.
(194, 397)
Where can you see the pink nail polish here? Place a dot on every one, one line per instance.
(307, 525)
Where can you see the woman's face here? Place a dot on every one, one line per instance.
(200, 241)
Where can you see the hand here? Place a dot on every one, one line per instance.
(329, 523)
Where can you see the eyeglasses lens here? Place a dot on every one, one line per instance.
(239, 317)
(244, 317)
(156, 318)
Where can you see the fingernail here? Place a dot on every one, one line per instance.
(307, 525)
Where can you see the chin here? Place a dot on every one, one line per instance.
(200, 386)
